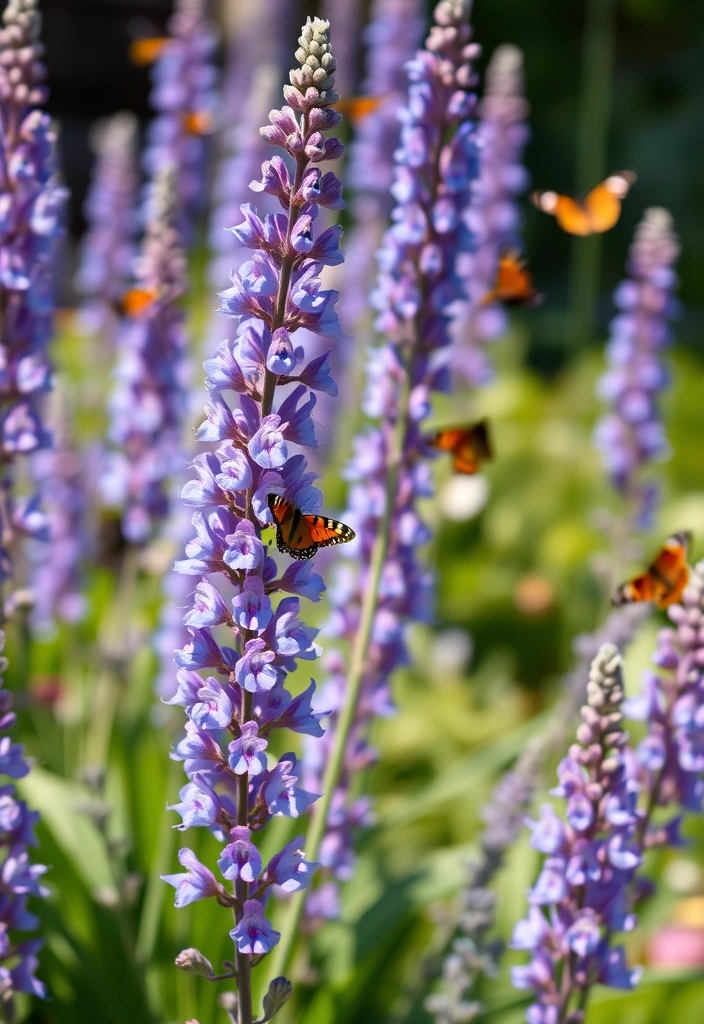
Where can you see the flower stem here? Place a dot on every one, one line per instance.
(353, 683)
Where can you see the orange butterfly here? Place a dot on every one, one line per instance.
(299, 534)
(597, 212)
(357, 108)
(514, 282)
(146, 50)
(138, 300)
(469, 445)
(200, 123)
(665, 578)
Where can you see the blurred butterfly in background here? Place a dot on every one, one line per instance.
(514, 282)
(199, 123)
(598, 211)
(357, 108)
(300, 534)
(665, 578)
(137, 301)
(469, 445)
(146, 50)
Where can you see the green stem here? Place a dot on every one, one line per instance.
(353, 684)
(592, 140)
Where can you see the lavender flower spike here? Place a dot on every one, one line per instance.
(389, 586)
(108, 248)
(582, 895)
(630, 436)
(235, 786)
(492, 216)
(184, 97)
(31, 205)
(149, 400)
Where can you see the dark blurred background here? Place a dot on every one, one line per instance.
(650, 120)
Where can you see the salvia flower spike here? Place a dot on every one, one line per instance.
(32, 205)
(149, 400)
(630, 435)
(235, 785)
(390, 586)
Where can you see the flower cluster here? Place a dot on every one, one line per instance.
(234, 787)
(582, 895)
(672, 753)
(435, 163)
(493, 215)
(108, 246)
(185, 100)
(631, 435)
(20, 879)
(57, 567)
(29, 224)
(474, 952)
(149, 401)
(394, 33)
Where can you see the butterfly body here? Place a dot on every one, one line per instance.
(665, 578)
(598, 211)
(514, 282)
(469, 445)
(300, 534)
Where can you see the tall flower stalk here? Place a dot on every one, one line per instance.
(630, 435)
(32, 205)
(589, 883)
(233, 787)
(31, 208)
(149, 401)
(493, 214)
(372, 607)
(184, 97)
(108, 247)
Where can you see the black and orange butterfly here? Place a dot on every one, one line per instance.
(469, 445)
(666, 576)
(598, 211)
(514, 282)
(300, 534)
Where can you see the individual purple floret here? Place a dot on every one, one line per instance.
(630, 435)
(30, 222)
(493, 215)
(394, 33)
(583, 893)
(184, 96)
(385, 577)
(240, 596)
(108, 247)
(149, 402)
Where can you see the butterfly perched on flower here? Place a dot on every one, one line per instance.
(665, 578)
(514, 282)
(469, 445)
(300, 534)
(598, 211)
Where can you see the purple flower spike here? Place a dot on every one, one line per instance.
(435, 164)
(148, 405)
(257, 430)
(630, 436)
(492, 215)
(184, 96)
(31, 206)
(108, 247)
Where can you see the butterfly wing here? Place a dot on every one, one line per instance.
(145, 51)
(514, 282)
(665, 579)
(137, 301)
(603, 204)
(299, 534)
(569, 213)
(358, 108)
(469, 445)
